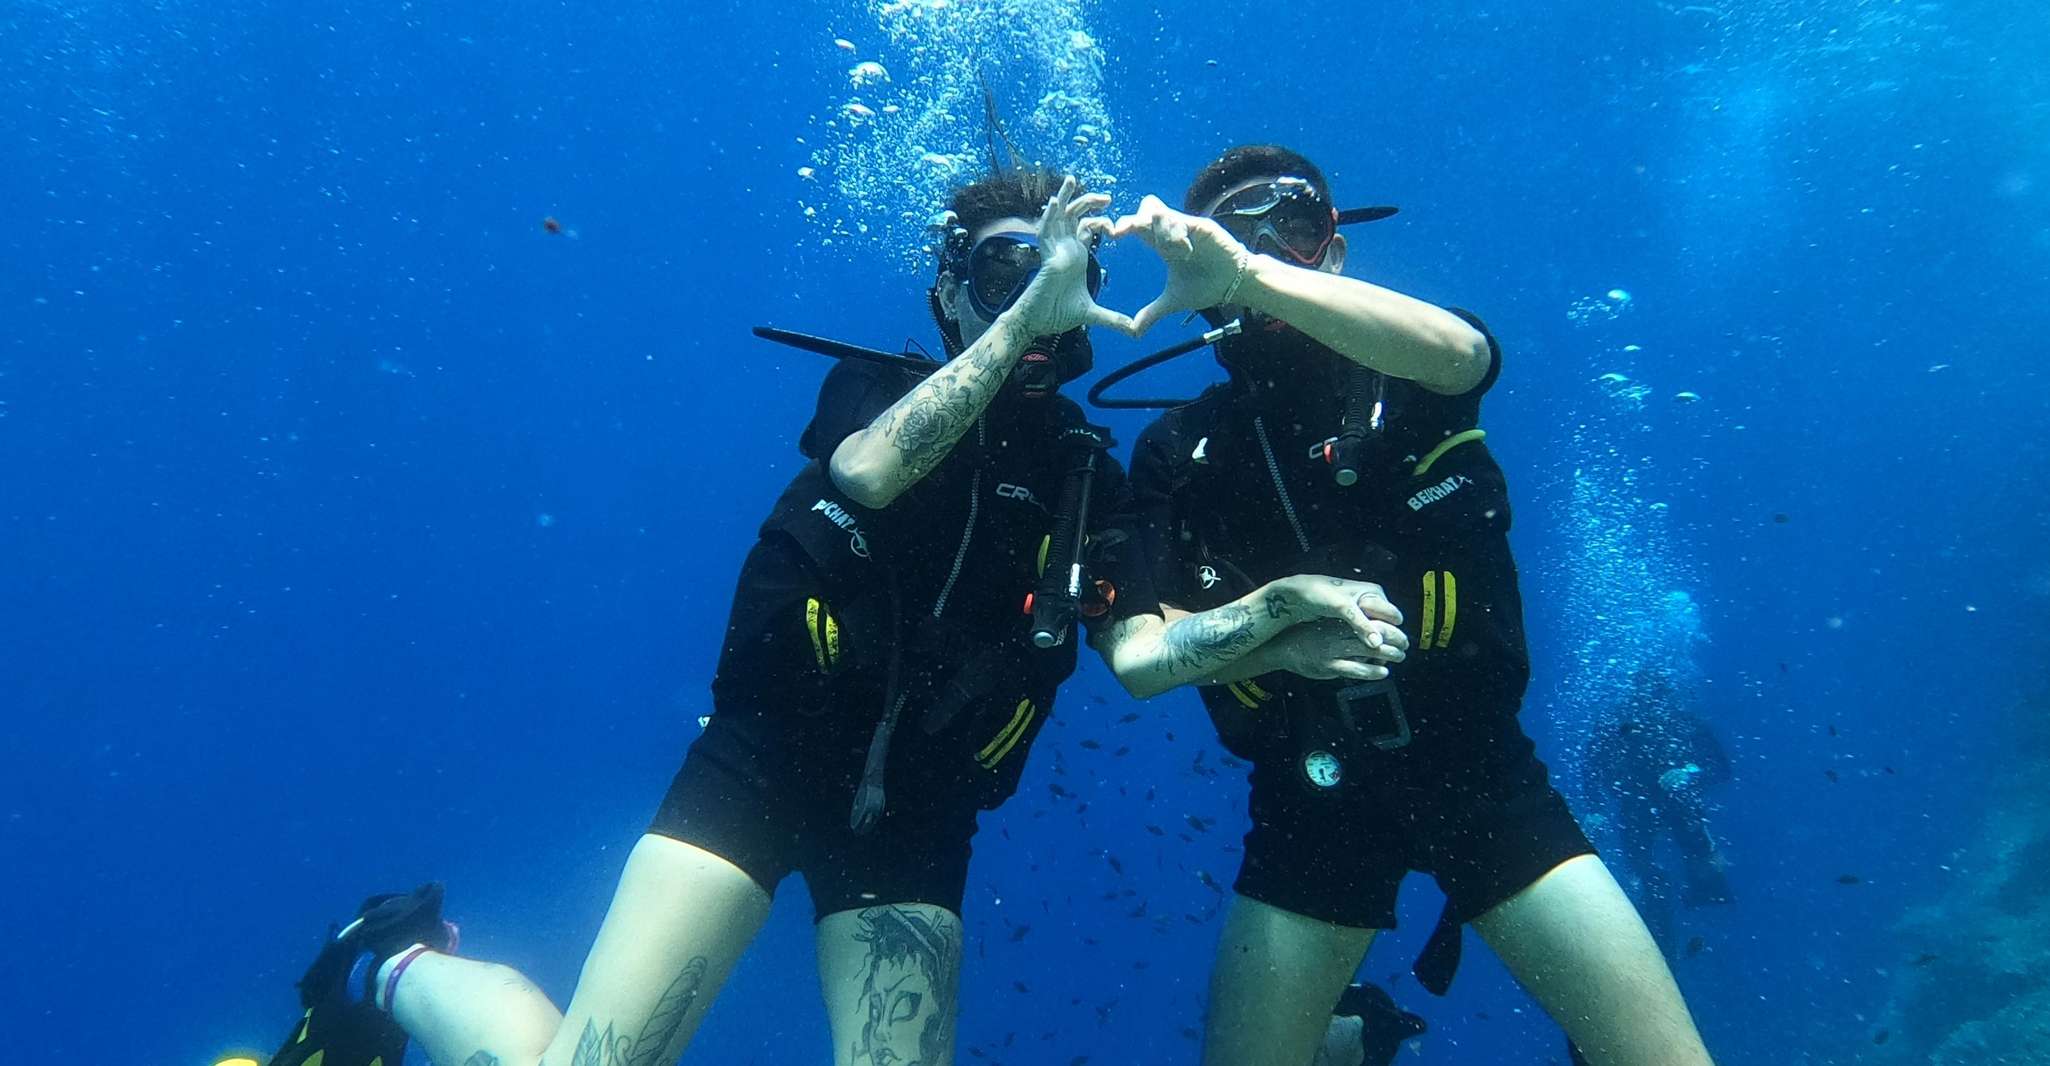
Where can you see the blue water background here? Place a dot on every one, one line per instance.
(355, 531)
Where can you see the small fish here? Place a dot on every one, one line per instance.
(1078, 1060)
(1115, 865)
(1129, 719)
(1783, 668)
(1020, 986)
(1140, 964)
(1058, 792)
(1849, 879)
(1138, 911)
(1123, 750)
(1209, 882)
(1696, 946)
(1201, 825)
(1832, 729)
(1831, 774)
(1156, 830)
(1187, 1032)
(1924, 959)
(1888, 769)
(1881, 1036)
(552, 224)
(1101, 700)
(843, 44)
(1093, 745)
(1779, 518)
(1019, 933)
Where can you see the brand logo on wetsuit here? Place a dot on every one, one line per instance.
(1018, 492)
(857, 541)
(1208, 576)
(1438, 492)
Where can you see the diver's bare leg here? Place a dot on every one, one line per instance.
(679, 921)
(1342, 1044)
(1575, 942)
(1277, 976)
(891, 976)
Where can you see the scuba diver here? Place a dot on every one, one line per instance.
(1653, 763)
(878, 687)
(1346, 442)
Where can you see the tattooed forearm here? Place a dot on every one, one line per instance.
(1151, 655)
(658, 1033)
(1204, 640)
(923, 426)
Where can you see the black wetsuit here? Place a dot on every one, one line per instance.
(1653, 764)
(1354, 786)
(840, 608)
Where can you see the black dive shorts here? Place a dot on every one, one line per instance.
(1467, 801)
(772, 793)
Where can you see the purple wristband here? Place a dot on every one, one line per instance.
(391, 983)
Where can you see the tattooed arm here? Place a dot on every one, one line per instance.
(876, 464)
(904, 443)
(1151, 654)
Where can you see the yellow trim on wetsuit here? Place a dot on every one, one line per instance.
(1451, 609)
(1006, 738)
(1249, 694)
(824, 631)
(1423, 465)
(1045, 546)
(1430, 628)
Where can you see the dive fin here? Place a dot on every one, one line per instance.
(341, 1024)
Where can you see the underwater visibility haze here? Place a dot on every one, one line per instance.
(381, 434)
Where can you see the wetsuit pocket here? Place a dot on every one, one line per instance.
(791, 644)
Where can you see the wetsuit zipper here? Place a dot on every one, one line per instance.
(967, 532)
(1274, 471)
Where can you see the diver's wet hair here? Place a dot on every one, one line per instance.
(1009, 193)
(1250, 161)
